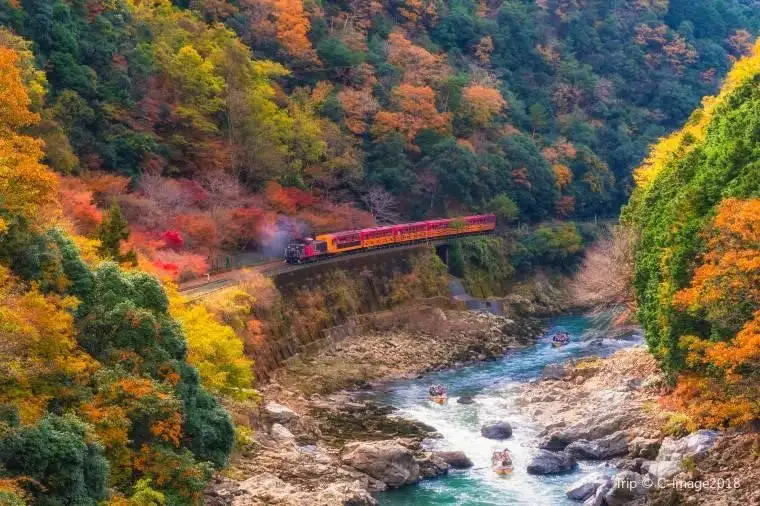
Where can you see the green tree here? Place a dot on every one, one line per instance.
(111, 232)
(59, 455)
(503, 207)
(539, 118)
(126, 315)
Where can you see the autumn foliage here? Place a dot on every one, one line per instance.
(97, 392)
(414, 110)
(697, 271)
(26, 186)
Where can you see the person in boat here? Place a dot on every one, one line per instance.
(501, 460)
(561, 338)
(437, 391)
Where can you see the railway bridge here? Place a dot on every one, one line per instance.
(286, 274)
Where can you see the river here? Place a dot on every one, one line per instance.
(493, 385)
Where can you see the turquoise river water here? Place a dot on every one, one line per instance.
(493, 385)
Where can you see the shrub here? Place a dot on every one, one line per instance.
(59, 455)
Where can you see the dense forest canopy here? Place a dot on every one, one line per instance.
(697, 276)
(148, 136)
(443, 105)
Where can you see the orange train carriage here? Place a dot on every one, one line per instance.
(338, 243)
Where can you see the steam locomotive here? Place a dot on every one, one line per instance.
(329, 245)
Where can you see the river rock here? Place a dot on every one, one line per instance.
(346, 494)
(589, 429)
(281, 434)
(664, 470)
(456, 459)
(279, 413)
(586, 486)
(644, 448)
(496, 430)
(597, 499)
(431, 466)
(607, 447)
(386, 461)
(627, 486)
(546, 462)
(689, 446)
(637, 465)
(465, 399)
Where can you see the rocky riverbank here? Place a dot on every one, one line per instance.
(318, 444)
(606, 409)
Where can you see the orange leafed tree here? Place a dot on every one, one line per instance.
(484, 103)
(27, 187)
(415, 11)
(415, 111)
(563, 176)
(358, 106)
(484, 49)
(419, 65)
(78, 206)
(292, 25)
(726, 286)
(39, 358)
(725, 291)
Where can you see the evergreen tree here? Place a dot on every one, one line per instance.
(111, 232)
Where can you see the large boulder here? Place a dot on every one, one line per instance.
(607, 447)
(588, 429)
(673, 451)
(496, 430)
(432, 466)
(386, 461)
(259, 484)
(546, 462)
(456, 459)
(597, 499)
(278, 413)
(664, 470)
(692, 445)
(644, 448)
(587, 486)
(627, 486)
(281, 434)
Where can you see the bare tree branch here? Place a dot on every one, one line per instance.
(382, 205)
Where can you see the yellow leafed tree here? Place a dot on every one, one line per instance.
(214, 349)
(27, 187)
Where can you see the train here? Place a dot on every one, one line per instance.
(326, 246)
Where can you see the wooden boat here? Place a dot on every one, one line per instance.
(501, 462)
(502, 469)
(556, 343)
(438, 394)
(439, 399)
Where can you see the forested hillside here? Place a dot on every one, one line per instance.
(697, 275)
(96, 390)
(146, 137)
(282, 117)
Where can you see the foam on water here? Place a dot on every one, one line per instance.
(493, 386)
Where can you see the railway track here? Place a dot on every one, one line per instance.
(204, 289)
(195, 290)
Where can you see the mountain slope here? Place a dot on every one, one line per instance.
(697, 274)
